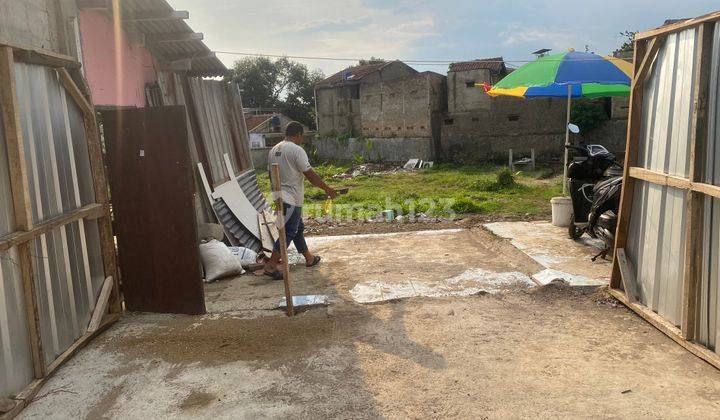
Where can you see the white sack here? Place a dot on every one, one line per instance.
(218, 261)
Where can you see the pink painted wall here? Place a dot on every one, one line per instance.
(112, 84)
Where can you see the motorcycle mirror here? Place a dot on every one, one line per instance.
(573, 128)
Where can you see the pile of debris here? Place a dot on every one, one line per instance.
(369, 169)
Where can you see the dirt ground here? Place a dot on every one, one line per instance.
(550, 351)
(315, 227)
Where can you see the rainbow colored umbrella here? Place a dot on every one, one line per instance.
(583, 74)
(567, 75)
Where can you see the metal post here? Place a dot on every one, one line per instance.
(532, 159)
(510, 159)
(567, 140)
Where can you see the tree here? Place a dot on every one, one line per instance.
(629, 41)
(282, 83)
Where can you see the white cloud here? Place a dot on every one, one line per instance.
(321, 28)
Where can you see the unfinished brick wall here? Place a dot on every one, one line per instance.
(340, 108)
(462, 93)
(509, 123)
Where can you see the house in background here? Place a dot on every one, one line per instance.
(266, 127)
(463, 94)
(337, 98)
(380, 100)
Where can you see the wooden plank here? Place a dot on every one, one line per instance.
(680, 26)
(27, 395)
(641, 73)
(100, 186)
(668, 329)
(275, 180)
(33, 55)
(90, 212)
(660, 178)
(631, 152)
(628, 275)
(692, 270)
(70, 87)
(101, 306)
(21, 199)
(707, 189)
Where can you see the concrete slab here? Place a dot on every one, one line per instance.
(561, 257)
(470, 282)
(538, 352)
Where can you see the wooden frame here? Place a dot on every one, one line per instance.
(26, 230)
(647, 46)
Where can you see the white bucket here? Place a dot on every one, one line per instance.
(561, 211)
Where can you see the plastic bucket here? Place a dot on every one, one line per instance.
(561, 211)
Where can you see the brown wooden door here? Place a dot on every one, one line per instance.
(152, 191)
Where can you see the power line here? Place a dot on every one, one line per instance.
(416, 62)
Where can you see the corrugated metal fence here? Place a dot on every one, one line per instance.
(708, 328)
(675, 185)
(67, 262)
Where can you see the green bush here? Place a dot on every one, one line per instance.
(466, 205)
(504, 178)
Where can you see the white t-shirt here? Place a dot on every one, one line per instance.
(292, 161)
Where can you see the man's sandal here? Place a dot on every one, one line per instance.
(316, 260)
(275, 275)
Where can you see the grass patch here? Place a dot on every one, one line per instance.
(442, 191)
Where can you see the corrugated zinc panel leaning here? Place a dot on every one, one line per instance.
(214, 123)
(68, 269)
(657, 232)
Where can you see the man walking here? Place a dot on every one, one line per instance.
(294, 167)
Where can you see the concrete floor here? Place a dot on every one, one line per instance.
(515, 351)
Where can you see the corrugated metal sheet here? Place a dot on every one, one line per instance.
(248, 184)
(657, 235)
(708, 328)
(655, 245)
(67, 262)
(209, 98)
(667, 109)
(15, 357)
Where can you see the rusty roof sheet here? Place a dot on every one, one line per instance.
(494, 64)
(352, 74)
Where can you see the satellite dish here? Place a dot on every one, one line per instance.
(573, 128)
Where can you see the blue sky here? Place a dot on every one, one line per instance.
(424, 29)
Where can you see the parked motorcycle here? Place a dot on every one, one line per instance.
(595, 183)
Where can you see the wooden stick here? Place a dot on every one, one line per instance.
(275, 178)
(668, 329)
(631, 153)
(628, 276)
(101, 306)
(692, 270)
(90, 212)
(21, 200)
